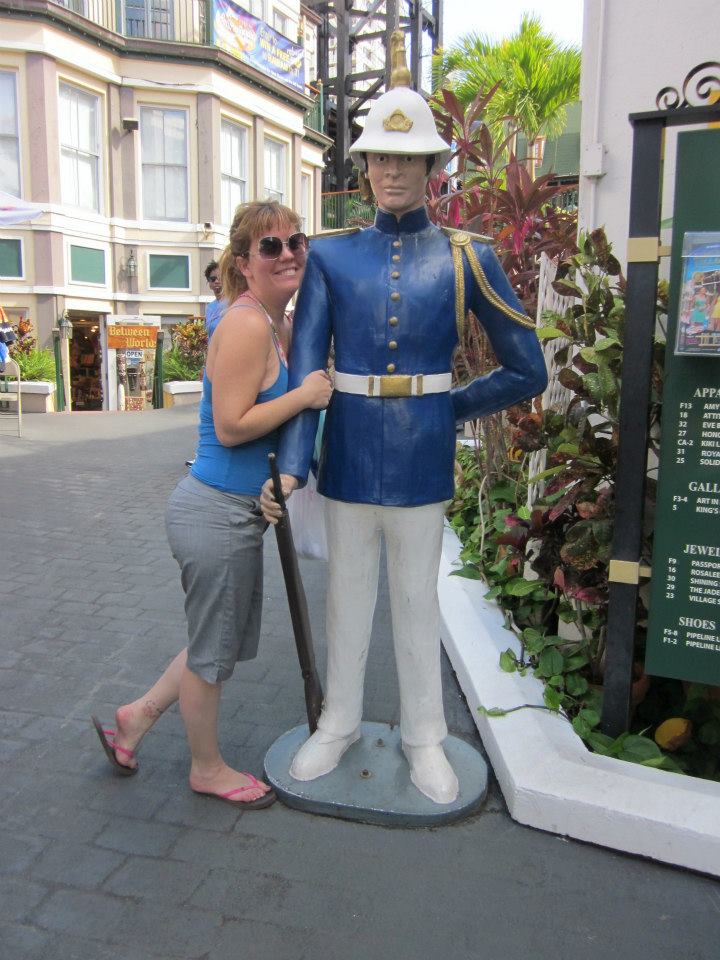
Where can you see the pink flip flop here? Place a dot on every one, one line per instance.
(260, 803)
(112, 749)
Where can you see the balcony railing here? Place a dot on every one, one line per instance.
(314, 116)
(184, 21)
(180, 21)
(344, 208)
(567, 200)
(100, 12)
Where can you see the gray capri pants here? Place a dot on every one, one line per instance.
(217, 539)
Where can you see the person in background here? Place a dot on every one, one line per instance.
(7, 336)
(213, 518)
(217, 307)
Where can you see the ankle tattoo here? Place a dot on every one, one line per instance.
(151, 710)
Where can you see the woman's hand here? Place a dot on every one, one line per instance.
(268, 504)
(317, 389)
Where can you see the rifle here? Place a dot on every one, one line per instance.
(298, 604)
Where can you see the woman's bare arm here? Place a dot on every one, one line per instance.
(237, 367)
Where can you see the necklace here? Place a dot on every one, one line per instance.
(273, 328)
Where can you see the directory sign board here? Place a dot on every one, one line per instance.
(684, 624)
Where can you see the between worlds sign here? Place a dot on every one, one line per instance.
(121, 337)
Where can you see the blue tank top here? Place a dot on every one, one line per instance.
(242, 468)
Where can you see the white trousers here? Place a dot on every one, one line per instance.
(413, 541)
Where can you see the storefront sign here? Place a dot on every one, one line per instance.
(684, 625)
(121, 337)
(253, 41)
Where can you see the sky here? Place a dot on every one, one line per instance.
(500, 18)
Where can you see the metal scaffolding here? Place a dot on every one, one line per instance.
(345, 26)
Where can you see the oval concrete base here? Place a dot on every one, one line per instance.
(372, 783)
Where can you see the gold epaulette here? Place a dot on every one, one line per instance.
(462, 240)
(462, 234)
(333, 233)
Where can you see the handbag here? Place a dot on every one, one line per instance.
(306, 510)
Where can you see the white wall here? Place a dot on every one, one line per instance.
(631, 50)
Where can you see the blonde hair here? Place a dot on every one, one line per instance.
(251, 221)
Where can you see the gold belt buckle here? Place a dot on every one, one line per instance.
(399, 385)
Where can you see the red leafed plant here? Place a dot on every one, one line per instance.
(498, 197)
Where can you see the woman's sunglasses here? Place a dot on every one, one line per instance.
(270, 248)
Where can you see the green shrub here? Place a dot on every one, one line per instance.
(178, 366)
(36, 364)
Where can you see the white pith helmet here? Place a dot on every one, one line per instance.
(400, 121)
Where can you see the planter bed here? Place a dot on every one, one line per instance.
(177, 393)
(38, 396)
(549, 779)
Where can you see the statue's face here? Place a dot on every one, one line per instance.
(398, 181)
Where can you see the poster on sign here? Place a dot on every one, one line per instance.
(244, 36)
(698, 330)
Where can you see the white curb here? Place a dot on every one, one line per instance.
(548, 777)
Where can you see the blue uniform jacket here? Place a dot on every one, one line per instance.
(386, 295)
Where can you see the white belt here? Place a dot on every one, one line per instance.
(393, 385)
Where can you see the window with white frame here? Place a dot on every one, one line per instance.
(275, 176)
(9, 139)
(305, 202)
(255, 7)
(11, 258)
(79, 148)
(282, 23)
(163, 148)
(233, 168)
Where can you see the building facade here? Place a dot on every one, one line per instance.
(138, 135)
(630, 52)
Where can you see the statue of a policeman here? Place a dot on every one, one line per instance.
(389, 296)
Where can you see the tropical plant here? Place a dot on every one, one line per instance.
(464, 126)
(191, 339)
(546, 564)
(535, 76)
(566, 536)
(499, 198)
(25, 342)
(178, 366)
(186, 358)
(35, 364)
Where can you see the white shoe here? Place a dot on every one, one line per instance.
(320, 754)
(431, 773)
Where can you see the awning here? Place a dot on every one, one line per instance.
(14, 210)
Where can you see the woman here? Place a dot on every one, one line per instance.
(213, 517)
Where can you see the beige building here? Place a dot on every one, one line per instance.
(138, 137)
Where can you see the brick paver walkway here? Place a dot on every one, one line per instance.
(94, 867)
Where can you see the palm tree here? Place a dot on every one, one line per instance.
(537, 76)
